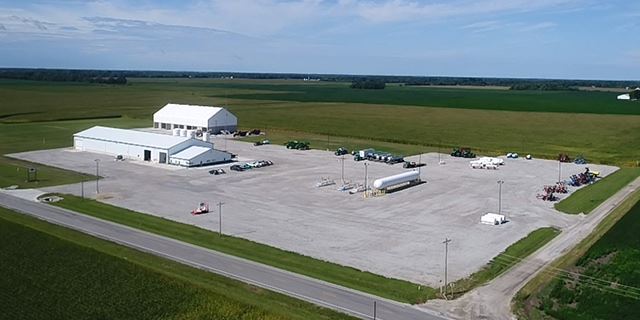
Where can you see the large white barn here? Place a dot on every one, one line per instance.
(146, 146)
(184, 116)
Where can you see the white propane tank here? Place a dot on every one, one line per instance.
(183, 132)
(176, 132)
(205, 136)
(397, 179)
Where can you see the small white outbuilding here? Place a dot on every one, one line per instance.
(193, 117)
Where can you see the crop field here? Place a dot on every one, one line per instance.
(49, 272)
(38, 115)
(609, 284)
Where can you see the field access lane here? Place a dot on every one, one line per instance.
(315, 291)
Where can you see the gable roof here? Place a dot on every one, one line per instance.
(187, 112)
(190, 152)
(140, 138)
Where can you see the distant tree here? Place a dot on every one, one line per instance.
(368, 84)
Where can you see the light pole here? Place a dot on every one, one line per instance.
(220, 218)
(97, 175)
(366, 165)
(342, 160)
(375, 309)
(500, 182)
(446, 256)
(559, 170)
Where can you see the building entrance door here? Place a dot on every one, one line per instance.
(147, 155)
(163, 157)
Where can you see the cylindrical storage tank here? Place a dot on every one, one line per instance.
(191, 133)
(205, 136)
(183, 132)
(397, 179)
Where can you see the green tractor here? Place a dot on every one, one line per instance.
(298, 145)
(463, 153)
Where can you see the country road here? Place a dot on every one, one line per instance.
(493, 301)
(315, 291)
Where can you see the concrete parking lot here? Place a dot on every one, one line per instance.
(398, 235)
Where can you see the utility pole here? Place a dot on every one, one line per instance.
(500, 182)
(220, 218)
(374, 310)
(419, 163)
(82, 187)
(97, 175)
(446, 257)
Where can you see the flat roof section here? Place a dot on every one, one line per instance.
(134, 137)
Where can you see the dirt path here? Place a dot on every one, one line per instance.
(493, 301)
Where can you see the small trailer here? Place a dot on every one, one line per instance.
(202, 208)
(493, 219)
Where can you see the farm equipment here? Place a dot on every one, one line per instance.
(580, 160)
(240, 133)
(411, 164)
(512, 155)
(297, 145)
(260, 143)
(379, 156)
(341, 151)
(324, 182)
(563, 157)
(202, 208)
(462, 153)
(254, 132)
(586, 177)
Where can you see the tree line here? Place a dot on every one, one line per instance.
(118, 77)
(368, 84)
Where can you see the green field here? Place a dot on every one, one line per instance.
(600, 278)
(605, 138)
(507, 259)
(589, 197)
(113, 282)
(504, 100)
(395, 289)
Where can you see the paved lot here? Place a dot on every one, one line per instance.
(397, 235)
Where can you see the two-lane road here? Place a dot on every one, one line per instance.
(315, 291)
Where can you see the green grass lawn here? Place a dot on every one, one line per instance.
(507, 259)
(589, 197)
(604, 281)
(395, 289)
(50, 272)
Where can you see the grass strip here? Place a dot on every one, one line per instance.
(507, 259)
(395, 289)
(51, 272)
(522, 302)
(591, 196)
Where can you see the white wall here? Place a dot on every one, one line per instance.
(210, 157)
(114, 148)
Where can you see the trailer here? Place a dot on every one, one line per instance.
(493, 219)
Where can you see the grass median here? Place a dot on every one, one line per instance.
(51, 272)
(590, 197)
(395, 289)
(507, 259)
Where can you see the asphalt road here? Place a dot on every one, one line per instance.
(315, 291)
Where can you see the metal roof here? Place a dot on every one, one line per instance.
(186, 114)
(140, 138)
(190, 153)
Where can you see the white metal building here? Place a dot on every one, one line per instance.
(146, 146)
(183, 116)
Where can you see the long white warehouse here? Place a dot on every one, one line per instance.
(191, 117)
(146, 146)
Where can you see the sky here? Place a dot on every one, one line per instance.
(567, 39)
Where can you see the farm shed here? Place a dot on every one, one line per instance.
(146, 146)
(191, 117)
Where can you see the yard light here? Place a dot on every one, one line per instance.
(97, 175)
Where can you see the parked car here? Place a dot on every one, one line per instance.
(236, 167)
(217, 171)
